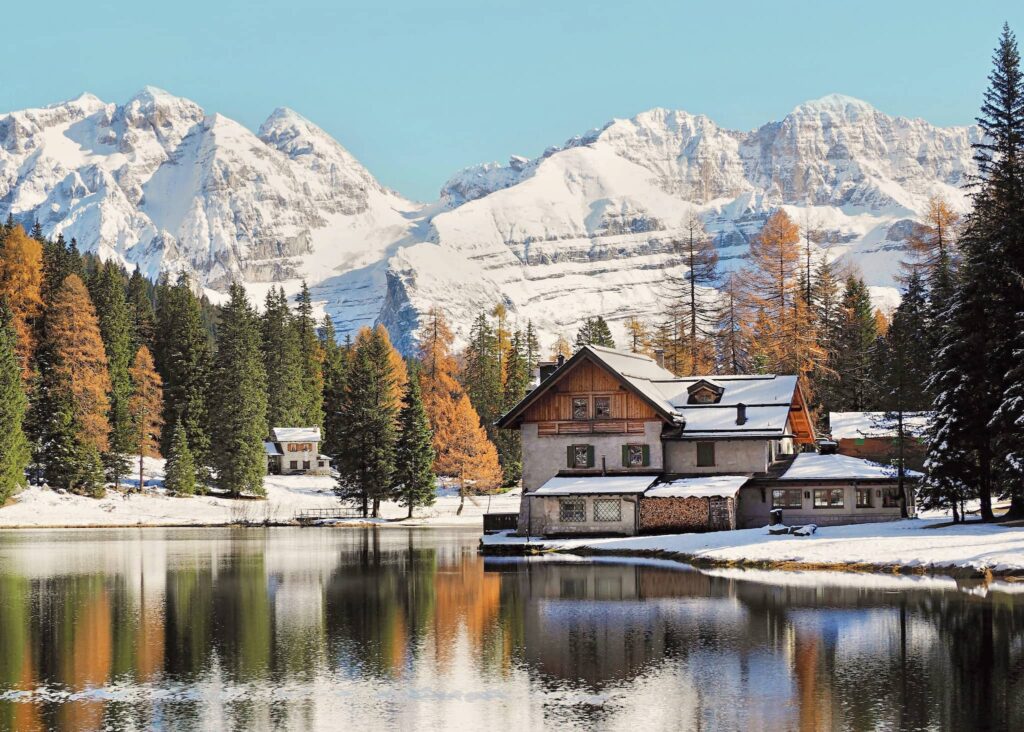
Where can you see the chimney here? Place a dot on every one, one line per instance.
(561, 361)
(659, 356)
(741, 414)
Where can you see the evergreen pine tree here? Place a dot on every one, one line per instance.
(107, 289)
(482, 373)
(414, 482)
(282, 361)
(14, 448)
(594, 332)
(238, 399)
(180, 471)
(366, 462)
(509, 442)
(312, 403)
(143, 315)
(854, 354)
(184, 362)
(335, 370)
(144, 409)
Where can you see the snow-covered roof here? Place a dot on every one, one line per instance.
(708, 486)
(854, 425)
(296, 434)
(767, 397)
(812, 466)
(271, 449)
(591, 484)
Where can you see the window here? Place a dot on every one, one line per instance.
(704, 396)
(580, 408)
(572, 510)
(828, 498)
(607, 509)
(293, 465)
(321, 463)
(863, 498)
(580, 456)
(602, 407)
(891, 498)
(705, 454)
(305, 465)
(787, 498)
(635, 456)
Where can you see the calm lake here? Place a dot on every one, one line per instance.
(254, 629)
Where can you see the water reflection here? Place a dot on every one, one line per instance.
(324, 629)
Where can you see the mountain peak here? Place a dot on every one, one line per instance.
(835, 102)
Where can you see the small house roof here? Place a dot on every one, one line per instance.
(705, 486)
(296, 434)
(856, 425)
(812, 466)
(594, 484)
(271, 449)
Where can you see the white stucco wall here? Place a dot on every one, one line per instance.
(542, 514)
(731, 456)
(753, 512)
(544, 457)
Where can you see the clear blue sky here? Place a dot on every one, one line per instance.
(417, 90)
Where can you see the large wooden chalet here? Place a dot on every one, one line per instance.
(615, 443)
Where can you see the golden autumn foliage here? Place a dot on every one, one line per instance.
(881, 322)
(469, 456)
(80, 360)
(933, 243)
(438, 384)
(782, 338)
(21, 277)
(561, 347)
(146, 404)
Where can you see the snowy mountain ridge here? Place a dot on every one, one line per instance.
(585, 228)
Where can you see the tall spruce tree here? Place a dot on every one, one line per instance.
(336, 362)
(282, 360)
(509, 442)
(974, 435)
(143, 314)
(855, 351)
(366, 462)
(414, 483)
(482, 375)
(238, 399)
(14, 448)
(107, 289)
(184, 361)
(312, 404)
(180, 473)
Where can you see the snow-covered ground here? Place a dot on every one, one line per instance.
(913, 544)
(286, 495)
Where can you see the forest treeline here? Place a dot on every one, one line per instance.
(99, 366)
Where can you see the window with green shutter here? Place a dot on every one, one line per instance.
(579, 456)
(636, 456)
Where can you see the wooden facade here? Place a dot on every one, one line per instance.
(554, 411)
(800, 419)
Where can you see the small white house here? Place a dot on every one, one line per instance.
(296, 451)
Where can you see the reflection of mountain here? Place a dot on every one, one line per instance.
(337, 629)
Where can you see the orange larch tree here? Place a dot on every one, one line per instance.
(79, 359)
(21, 278)
(145, 407)
(470, 457)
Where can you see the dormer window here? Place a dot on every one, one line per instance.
(704, 392)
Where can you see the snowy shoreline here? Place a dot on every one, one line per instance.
(42, 508)
(913, 546)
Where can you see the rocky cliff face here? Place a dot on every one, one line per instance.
(585, 228)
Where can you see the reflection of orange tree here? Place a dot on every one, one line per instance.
(815, 713)
(86, 650)
(468, 599)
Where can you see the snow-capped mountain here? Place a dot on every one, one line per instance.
(586, 228)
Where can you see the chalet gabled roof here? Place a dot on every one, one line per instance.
(768, 399)
(636, 372)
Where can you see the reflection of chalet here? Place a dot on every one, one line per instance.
(615, 443)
